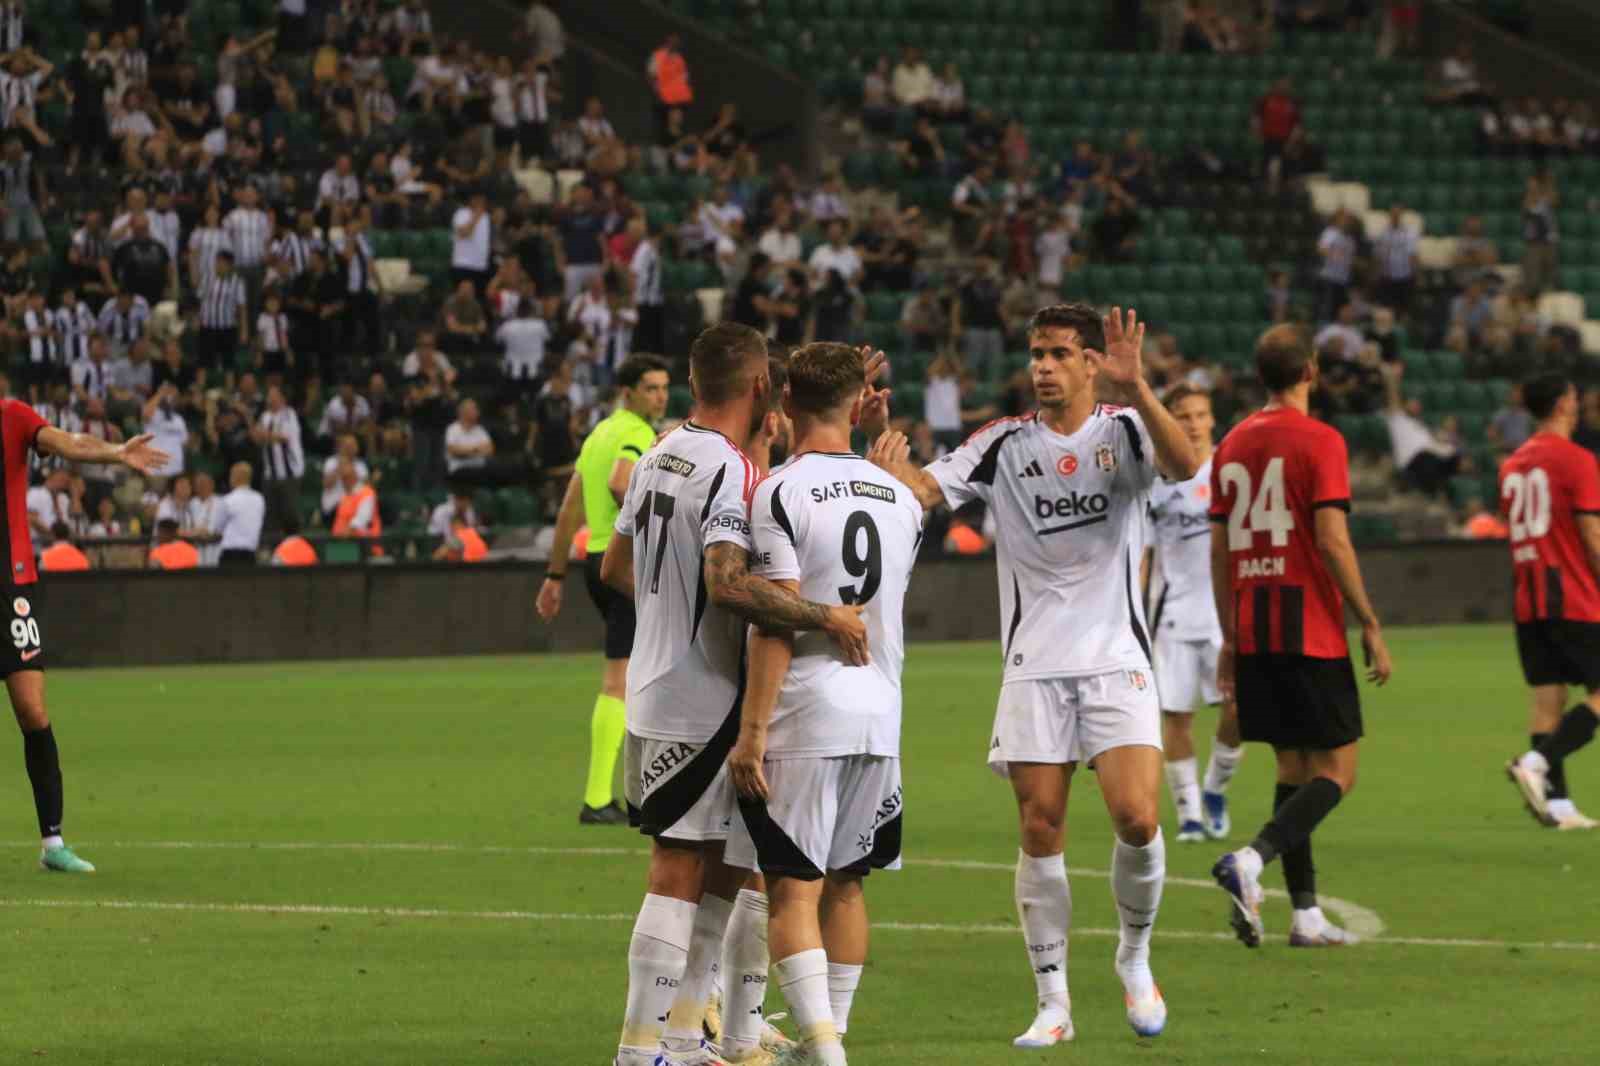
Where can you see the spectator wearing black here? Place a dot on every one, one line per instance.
(791, 310)
(925, 320)
(556, 442)
(1539, 233)
(143, 266)
(582, 228)
(463, 327)
(316, 309)
(979, 319)
(430, 401)
(88, 77)
(361, 316)
(1115, 231)
(923, 153)
(889, 250)
(752, 301)
(837, 310)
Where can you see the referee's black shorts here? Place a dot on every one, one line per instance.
(1555, 651)
(614, 607)
(1297, 702)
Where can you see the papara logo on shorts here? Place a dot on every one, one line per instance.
(1073, 505)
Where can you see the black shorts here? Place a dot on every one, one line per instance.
(1555, 651)
(24, 643)
(1298, 702)
(614, 607)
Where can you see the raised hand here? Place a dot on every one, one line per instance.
(1122, 363)
(891, 451)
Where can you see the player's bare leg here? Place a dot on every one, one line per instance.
(1044, 898)
(683, 1040)
(1326, 778)
(1183, 776)
(1130, 781)
(658, 953)
(1227, 751)
(801, 968)
(26, 689)
(845, 932)
(1536, 772)
(607, 724)
(1309, 927)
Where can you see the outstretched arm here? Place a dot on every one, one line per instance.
(891, 452)
(777, 606)
(136, 454)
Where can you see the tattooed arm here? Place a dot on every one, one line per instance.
(772, 607)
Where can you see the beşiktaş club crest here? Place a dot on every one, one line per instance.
(1067, 465)
(1105, 457)
(20, 607)
(1136, 677)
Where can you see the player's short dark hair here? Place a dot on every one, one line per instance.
(1282, 355)
(720, 358)
(635, 367)
(824, 375)
(1080, 317)
(1181, 392)
(1542, 392)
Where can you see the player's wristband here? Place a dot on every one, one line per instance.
(551, 575)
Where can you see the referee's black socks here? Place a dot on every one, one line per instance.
(1576, 729)
(44, 772)
(1292, 823)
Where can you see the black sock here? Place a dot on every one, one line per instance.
(44, 771)
(1299, 873)
(1558, 769)
(1576, 729)
(1299, 815)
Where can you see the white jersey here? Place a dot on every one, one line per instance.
(848, 532)
(1180, 574)
(685, 676)
(1069, 515)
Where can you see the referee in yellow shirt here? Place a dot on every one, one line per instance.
(594, 496)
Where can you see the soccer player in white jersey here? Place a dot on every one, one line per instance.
(1188, 637)
(681, 550)
(1069, 487)
(817, 762)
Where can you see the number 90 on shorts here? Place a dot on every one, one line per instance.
(24, 648)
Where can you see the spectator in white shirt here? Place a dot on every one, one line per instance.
(524, 337)
(780, 243)
(49, 503)
(456, 511)
(470, 245)
(1338, 251)
(467, 444)
(171, 432)
(333, 489)
(835, 255)
(244, 512)
(347, 412)
(339, 187)
(1339, 339)
(204, 520)
(1053, 247)
(827, 203)
(913, 81)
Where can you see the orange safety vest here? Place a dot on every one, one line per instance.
(1485, 526)
(63, 556)
(175, 555)
(965, 540)
(346, 514)
(672, 78)
(294, 551)
(473, 549)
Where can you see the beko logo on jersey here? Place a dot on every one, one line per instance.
(1188, 521)
(834, 490)
(672, 464)
(1072, 505)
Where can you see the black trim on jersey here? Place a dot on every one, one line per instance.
(1343, 505)
(1074, 525)
(711, 496)
(663, 808)
(1261, 609)
(1575, 511)
(1161, 604)
(984, 473)
(1554, 596)
(634, 448)
(1133, 613)
(779, 515)
(1016, 614)
(1191, 536)
(1133, 437)
(1292, 606)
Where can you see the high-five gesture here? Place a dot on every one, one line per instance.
(874, 402)
(1122, 363)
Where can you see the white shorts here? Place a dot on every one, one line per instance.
(1186, 673)
(678, 790)
(1073, 719)
(821, 815)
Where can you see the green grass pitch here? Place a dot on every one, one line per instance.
(255, 903)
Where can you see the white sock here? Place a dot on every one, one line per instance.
(744, 973)
(1184, 782)
(51, 842)
(1249, 860)
(842, 981)
(1044, 908)
(684, 1033)
(657, 955)
(1309, 920)
(1536, 762)
(1137, 875)
(1224, 763)
(803, 977)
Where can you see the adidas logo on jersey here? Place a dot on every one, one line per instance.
(1033, 469)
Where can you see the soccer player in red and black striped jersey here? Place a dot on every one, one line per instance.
(22, 659)
(1550, 493)
(1282, 569)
